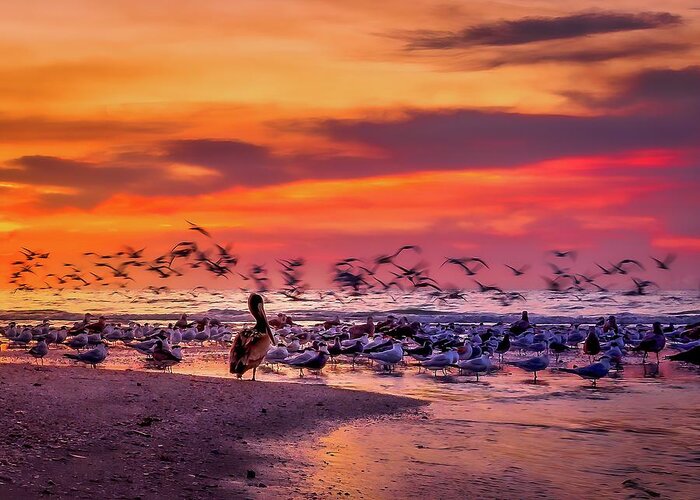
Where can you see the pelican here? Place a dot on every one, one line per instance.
(250, 345)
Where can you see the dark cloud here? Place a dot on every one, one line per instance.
(231, 163)
(481, 139)
(538, 29)
(583, 55)
(661, 87)
(660, 91)
(89, 182)
(239, 163)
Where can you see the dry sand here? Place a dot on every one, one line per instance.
(86, 433)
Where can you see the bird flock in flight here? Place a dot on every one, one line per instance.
(397, 272)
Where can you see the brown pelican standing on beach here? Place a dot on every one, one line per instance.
(250, 345)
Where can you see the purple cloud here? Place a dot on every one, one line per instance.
(538, 29)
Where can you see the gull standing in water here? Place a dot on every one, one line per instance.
(390, 357)
(593, 371)
(653, 343)
(250, 345)
(315, 363)
(532, 365)
(478, 365)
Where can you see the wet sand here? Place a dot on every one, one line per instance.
(634, 436)
(561, 440)
(75, 432)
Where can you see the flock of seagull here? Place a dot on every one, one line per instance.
(437, 348)
(395, 272)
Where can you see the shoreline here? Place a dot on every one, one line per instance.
(72, 431)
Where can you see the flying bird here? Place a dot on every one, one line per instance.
(516, 271)
(663, 264)
(565, 253)
(199, 229)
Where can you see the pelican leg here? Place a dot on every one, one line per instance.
(254, 372)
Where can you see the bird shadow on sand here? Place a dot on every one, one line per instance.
(538, 382)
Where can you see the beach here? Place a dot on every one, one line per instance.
(82, 433)
(348, 432)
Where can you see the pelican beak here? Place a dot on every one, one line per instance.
(261, 312)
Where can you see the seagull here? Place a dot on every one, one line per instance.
(421, 353)
(482, 364)
(40, 350)
(390, 357)
(516, 271)
(441, 361)
(663, 264)
(691, 355)
(593, 371)
(592, 344)
(653, 343)
(277, 354)
(564, 253)
(503, 346)
(532, 365)
(92, 357)
(314, 363)
(25, 337)
(199, 229)
(354, 350)
(521, 325)
(165, 357)
(78, 341)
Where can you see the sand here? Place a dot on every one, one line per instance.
(75, 432)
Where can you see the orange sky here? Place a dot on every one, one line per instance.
(337, 128)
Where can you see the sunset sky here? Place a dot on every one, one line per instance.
(333, 128)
